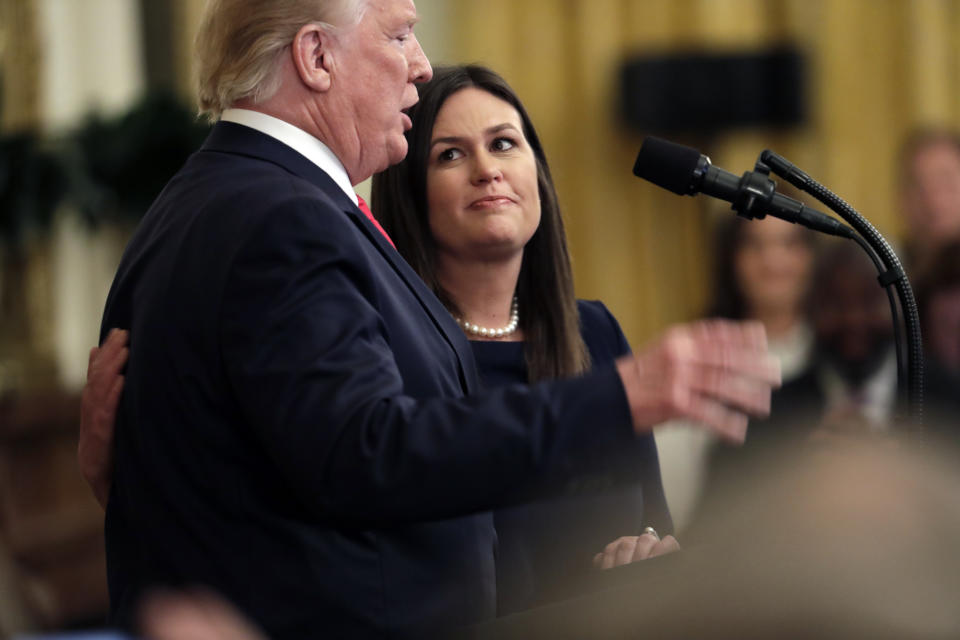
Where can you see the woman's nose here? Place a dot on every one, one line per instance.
(486, 169)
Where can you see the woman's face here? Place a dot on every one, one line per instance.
(772, 266)
(482, 196)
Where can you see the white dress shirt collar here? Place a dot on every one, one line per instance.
(298, 140)
(876, 399)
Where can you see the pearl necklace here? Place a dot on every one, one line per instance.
(494, 333)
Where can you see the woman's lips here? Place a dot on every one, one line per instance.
(491, 202)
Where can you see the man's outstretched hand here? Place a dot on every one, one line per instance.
(717, 373)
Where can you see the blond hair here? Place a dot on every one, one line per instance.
(239, 42)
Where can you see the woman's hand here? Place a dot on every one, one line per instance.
(98, 412)
(633, 548)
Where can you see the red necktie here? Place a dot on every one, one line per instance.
(366, 211)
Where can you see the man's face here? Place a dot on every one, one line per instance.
(932, 199)
(377, 63)
(851, 319)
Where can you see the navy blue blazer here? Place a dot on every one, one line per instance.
(297, 429)
(546, 546)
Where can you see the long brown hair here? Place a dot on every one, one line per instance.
(553, 346)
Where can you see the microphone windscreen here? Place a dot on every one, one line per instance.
(666, 164)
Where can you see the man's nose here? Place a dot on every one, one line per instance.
(420, 69)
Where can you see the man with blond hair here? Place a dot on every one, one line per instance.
(301, 427)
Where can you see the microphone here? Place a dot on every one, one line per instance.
(685, 171)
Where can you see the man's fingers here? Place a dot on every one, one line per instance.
(758, 365)
(750, 334)
(747, 394)
(715, 372)
(729, 424)
(694, 348)
(735, 346)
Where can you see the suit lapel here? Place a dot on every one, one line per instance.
(441, 318)
(235, 138)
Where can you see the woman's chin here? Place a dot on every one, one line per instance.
(495, 249)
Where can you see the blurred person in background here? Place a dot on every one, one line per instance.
(938, 295)
(930, 195)
(850, 388)
(761, 271)
(938, 298)
(852, 380)
(854, 377)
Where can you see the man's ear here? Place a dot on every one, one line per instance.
(311, 56)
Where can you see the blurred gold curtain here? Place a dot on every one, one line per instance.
(19, 67)
(877, 69)
(185, 16)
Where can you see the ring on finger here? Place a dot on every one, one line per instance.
(651, 531)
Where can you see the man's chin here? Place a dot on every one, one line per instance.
(397, 152)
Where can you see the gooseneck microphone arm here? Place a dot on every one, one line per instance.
(686, 171)
(892, 273)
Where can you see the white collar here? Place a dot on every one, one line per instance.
(297, 139)
(879, 391)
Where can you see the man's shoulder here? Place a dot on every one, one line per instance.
(246, 176)
(239, 190)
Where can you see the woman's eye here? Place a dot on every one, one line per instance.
(449, 154)
(503, 144)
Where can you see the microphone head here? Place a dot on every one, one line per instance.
(667, 164)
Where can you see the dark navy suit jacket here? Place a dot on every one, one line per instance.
(297, 429)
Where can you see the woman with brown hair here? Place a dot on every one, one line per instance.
(473, 209)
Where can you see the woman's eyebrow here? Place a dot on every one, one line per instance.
(459, 139)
